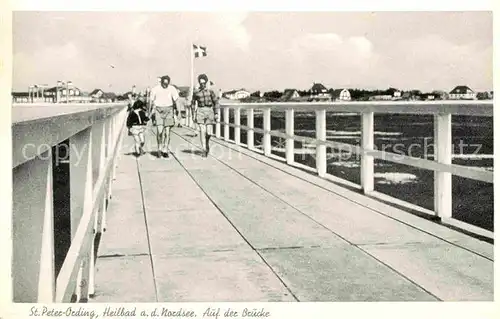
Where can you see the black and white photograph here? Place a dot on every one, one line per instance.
(249, 158)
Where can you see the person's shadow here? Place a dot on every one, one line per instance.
(155, 153)
(195, 152)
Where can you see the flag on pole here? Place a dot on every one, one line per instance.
(199, 51)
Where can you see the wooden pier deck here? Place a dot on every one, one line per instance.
(238, 226)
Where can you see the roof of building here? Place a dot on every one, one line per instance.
(109, 95)
(95, 91)
(318, 87)
(337, 92)
(20, 94)
(461, 89)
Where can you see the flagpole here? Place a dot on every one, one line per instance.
(189, 118)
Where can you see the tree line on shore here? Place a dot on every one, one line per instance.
(357, 94)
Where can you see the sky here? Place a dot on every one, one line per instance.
(255, 50)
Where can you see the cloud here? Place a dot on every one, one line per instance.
(362, 45)
(346, 49)
(432, 61)
(231, 25)
(261, 50)
(331, 58)
(47, 65)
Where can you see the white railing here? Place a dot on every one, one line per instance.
(94, 140)
(441, 110)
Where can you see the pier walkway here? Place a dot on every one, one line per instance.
(241, 226)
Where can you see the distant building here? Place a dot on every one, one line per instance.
(397, 95)
(319, 92)
(20, 97)
(429, 97)
(290, 95)
(99, 96)
(341, 95)
(63, 94)
(236, 94)
(462, 92)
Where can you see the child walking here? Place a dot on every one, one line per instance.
(136, 123)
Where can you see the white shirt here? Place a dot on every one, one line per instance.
(164, 96)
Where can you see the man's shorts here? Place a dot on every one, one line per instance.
(205, 115)
(165, 116)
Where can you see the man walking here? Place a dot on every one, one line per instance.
(204, 104)
(163, 99)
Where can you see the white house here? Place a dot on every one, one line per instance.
(341, 95)
(290, 95)
(462, 92)
(236, 94)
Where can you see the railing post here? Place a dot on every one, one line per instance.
(321, 137)
(81, 203)
(289, 129)
(443, 154)
(81, 176)
(367, 137)
(217, 124)
(237, 123)
(46, 284)
(250, 132)
(226, 124)
(33, 269)
(266, 141)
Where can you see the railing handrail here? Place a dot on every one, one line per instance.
(441, 111)
(69, 270)
(44, 270)
(49, 131)
(458, 107)
(56, 110)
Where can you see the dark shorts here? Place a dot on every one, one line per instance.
(205, 115)
(165, 116)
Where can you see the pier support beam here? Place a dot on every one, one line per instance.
(289, 129)
(367, 143)
(226, 124)
(321, 137)
(250, 132)
(237, 123)
(443, 154)
(266, 140)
